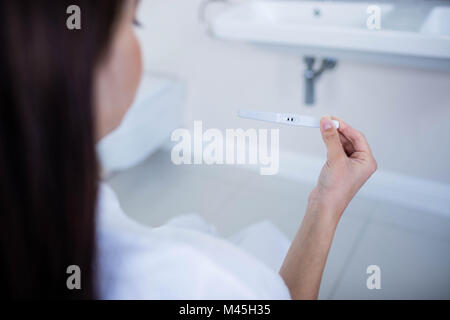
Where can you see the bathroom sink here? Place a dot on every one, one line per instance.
(307, 14)
(413, 31)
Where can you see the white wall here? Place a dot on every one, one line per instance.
(405, 113)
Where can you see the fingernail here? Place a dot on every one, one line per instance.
(327, 124)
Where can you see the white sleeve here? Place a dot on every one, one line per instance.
(172, 275)
(180, 273)
(135, 262)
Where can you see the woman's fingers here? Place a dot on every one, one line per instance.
(357, 139)
(347, 144)
(331, 138)
(361, 146)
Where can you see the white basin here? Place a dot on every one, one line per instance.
(405, 31)
(307, 14)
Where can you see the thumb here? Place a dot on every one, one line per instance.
(330, 136)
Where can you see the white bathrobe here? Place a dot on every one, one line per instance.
(184, 259)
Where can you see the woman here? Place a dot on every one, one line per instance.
(62, 90)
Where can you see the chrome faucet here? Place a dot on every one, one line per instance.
(311, 76)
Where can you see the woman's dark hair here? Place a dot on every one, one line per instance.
(48, 165)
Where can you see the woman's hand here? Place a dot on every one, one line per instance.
(349, 165)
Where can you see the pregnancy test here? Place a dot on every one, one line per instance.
(284, 118)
